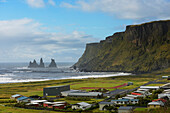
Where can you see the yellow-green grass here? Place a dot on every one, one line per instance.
(155, 84)
(36, 88)
(5, 109)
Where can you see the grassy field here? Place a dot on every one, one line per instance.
(36, 88)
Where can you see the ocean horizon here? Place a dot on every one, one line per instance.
(19, 72)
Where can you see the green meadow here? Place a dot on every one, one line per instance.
(36, 88)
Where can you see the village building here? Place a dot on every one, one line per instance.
(103, 104)
(55, 90)
(166, 86)
(126, 101)
(15, 96)
(81, 105)
(156, 104)
(86, 94)
(24, 99)
(66, 93)
(39, 102)
(162, 95)
(127, 109)
(58, 105)
(150, 87)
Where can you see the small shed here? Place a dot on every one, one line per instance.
(24, 99)
(130, 83)
(127, 109)
(15, 96)
(103, 104)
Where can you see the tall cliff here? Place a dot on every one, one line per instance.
(141, 48)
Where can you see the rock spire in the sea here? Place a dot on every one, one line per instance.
(41, 63)
(53, 64)
(33, 64)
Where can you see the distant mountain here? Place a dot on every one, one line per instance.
(141, 48)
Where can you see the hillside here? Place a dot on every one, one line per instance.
(141, 48)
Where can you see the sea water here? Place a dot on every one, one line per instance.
(19, 72)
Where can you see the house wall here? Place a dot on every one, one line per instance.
(75, 107)
(59, 107)
(154, 106)
(102, 105)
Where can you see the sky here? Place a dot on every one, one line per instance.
(60, 29)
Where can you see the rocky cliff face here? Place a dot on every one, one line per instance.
(141, 48)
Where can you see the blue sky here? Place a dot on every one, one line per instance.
(60, 29)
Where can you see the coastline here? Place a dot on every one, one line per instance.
(115, 74)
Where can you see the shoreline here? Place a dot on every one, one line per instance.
(73, 78)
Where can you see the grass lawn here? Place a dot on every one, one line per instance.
(36, 88)
(5, 109)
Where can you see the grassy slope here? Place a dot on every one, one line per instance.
(141, 48)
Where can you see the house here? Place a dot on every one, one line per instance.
(156, 104)
(121, 101)
(81, 105)
(127, 109)
(24, 99)
(103, 104)
(162, 95)
(65, 93)
(126, 101)
(166, 86)
(33, 104)
(86, 94)
(48, 104)
(39, 102)
(150, 87)
(58, 105)
(15, 96)
(55, 90)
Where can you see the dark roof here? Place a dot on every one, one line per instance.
(106, 103)
(125, 108)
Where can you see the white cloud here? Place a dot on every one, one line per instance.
(51, 2)
(36, 3)
(126, 9)
(24, 39)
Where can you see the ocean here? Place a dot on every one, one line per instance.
(19, 72)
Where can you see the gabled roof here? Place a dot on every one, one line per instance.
(23, 98)
(106, 103)
(135, 93)
(122, 100)
(84, 104)
(16, 95)
(156, 103)
(159, 100)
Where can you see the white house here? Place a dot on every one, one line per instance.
(81, 105)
